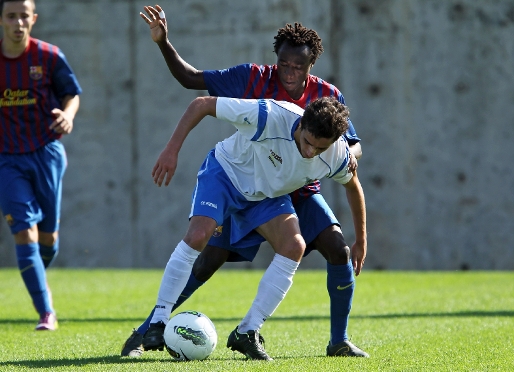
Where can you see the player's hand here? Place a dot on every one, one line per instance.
(158, 25)
(352, 163)
(63, 122)
(358, 257)
(165, 167)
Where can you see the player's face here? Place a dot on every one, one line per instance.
(17, 20)
(294, 65)
(310, 146)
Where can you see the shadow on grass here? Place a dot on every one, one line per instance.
(71, 362)
(458, 314)
(106, 360)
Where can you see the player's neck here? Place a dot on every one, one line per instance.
(13, 50)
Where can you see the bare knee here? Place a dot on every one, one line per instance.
(292, 249)
(331, 244)
(48, 239)
(26, 236)
(197, 239)
(338, 255)
(209, 261)
(199, 232)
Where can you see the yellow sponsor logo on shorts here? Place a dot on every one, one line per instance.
(9, 219)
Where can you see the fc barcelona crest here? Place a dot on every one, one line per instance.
(35, 72)
(217, 233)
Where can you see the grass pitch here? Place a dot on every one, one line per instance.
(406, 321)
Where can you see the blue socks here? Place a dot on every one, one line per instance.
(192, 285)
(48, 254)
(32, 271)
(340, 286)
(146, 324)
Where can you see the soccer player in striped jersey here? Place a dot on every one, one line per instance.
(38, 102)
(297, 49)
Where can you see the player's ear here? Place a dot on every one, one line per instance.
(34, 18)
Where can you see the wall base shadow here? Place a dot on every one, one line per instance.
(456, 314)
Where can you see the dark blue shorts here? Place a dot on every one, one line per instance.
(216, 197)
(314, 216)
(31, 187)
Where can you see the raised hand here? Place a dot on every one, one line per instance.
(157, 22)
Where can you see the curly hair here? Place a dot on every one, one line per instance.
(299, 35)
(326, 117)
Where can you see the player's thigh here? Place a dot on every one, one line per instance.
(320, 229)
(209, 261)
(315, 216)
(50, 165)
(246, 221)
(17, 198)
(283, 233)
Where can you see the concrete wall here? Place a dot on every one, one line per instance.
(430, 85)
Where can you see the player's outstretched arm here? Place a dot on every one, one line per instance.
(355, 196)
(166, 164)
(188, 76)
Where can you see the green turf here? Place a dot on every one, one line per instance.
(406, 321)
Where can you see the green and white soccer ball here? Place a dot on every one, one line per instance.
(190, 335)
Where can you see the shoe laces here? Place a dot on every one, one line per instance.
(255, 338)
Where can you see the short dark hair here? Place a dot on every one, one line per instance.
(299, 35)
(12, 1)
(326, 117)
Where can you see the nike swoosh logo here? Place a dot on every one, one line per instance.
(346, 286)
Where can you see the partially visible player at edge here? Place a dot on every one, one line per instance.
(297, 49)
(38, 102)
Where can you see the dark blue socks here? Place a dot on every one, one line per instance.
(340, 286)
(48, 254)
(32, 271)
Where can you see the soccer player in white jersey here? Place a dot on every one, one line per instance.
(278, 147)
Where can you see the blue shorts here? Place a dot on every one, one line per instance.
(216, 197)
(314, 216)
(31, 187)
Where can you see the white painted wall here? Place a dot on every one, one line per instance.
(430, 85)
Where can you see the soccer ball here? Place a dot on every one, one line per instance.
(190, 335)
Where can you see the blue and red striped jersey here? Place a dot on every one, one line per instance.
(261, 81)
(31, 86)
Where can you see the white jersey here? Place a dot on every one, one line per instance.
(262, 159)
